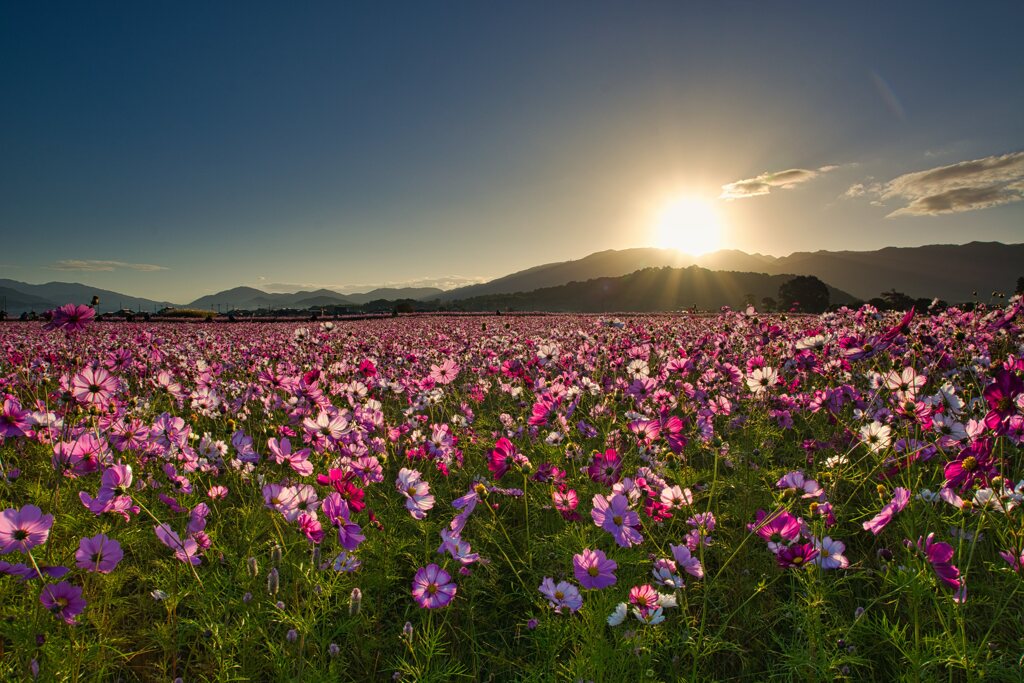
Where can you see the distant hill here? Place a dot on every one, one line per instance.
(947, 271)
(393, 293)
(651, 289)
(609, 263)
(250, 298)
(22, 297)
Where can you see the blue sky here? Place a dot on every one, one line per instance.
(173, 150)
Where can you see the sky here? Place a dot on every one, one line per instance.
(171, 150)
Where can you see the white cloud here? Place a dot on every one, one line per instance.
(766, 182)
(90, 265)
(964, 186)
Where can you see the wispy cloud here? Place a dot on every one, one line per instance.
(93, 266)
(964, 186)
(766, 182)
(445, 282)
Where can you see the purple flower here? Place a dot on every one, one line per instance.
(685, 559)
(779, 528)
(98, 554)
(63, 599)
(973, 464)
(940, 556)
(23, 529)
(561, 595)
(183, 550)
(432, 587)
(614, 516)
(593, 569)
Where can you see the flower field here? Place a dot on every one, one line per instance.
(728, 497)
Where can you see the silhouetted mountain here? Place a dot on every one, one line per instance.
(947, 271)
(651, 289)
(394, 293)
(53, 294)
(250, 298)
(609, 263)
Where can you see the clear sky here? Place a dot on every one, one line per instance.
(171, 150)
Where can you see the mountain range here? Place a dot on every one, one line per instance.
(952, 272)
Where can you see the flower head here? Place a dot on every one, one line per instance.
(432, 587)
(593, 569)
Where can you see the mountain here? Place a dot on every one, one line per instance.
(948, 271)
(608, 263)
(250, 298)
(392, 294)
(52, 294)
(651, 289)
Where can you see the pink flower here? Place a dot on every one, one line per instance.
(779, 529)
(13, 420)
(281, 451)
(974, 464)
(23, 529)
(606, 468)
(432, 587)
(94, 386)
(444, 373)
(940, 556)
(499, 459)
(796, 555)
(900, 498)
(685, 559)
(186, 550)
(593, 569)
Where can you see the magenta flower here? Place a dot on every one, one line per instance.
(779, 529)
(593, 569)
(796, 555)
(13, 420)
(1000, 396)
(70, 317)
(974, 464)
(432, 587)
(940, 556)
(23, 529)
(63, 599)
(606, 468)
(562, 595)
(900, 498)
(98, 554)
(499, 459)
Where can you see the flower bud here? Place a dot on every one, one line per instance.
(273, 581)
(355, 601)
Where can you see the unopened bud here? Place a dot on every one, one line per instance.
(273, 581)
(355, 601)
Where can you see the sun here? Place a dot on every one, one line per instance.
(690, 225)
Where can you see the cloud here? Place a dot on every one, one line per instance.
(93, 266)
(964, 186)
(764, 183)
(444, 282)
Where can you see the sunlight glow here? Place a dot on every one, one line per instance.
(690, 225)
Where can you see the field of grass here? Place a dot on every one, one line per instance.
(657, 498)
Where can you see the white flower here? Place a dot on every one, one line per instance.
(618, 615)
(876, 436)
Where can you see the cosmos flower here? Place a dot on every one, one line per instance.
(432, 587)
(98, 554)
(593, 569)
(23, 529)
(64, 600)
(900, 498)
(562, 595)
(71, 318)
(614, 516)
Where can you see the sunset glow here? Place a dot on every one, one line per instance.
(690, 225)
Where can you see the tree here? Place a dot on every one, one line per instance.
(805, 293)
